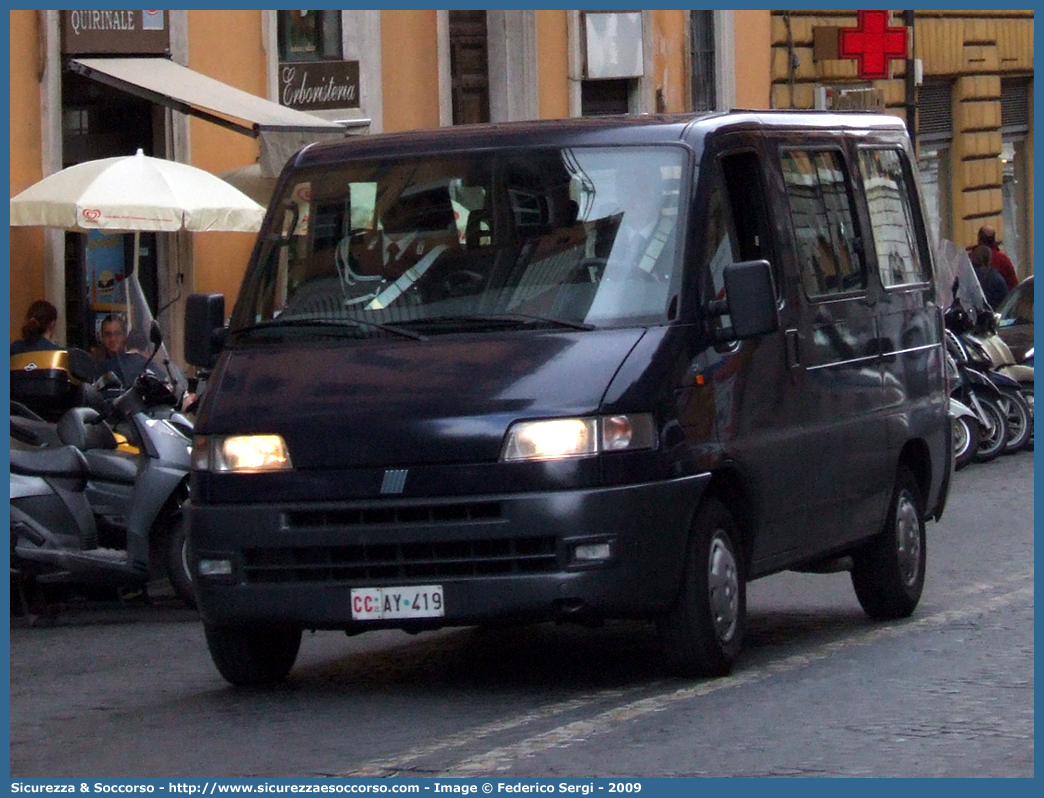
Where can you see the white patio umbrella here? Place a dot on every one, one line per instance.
(135, 193)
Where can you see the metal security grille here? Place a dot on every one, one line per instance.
(1015, 116)
(935, 111)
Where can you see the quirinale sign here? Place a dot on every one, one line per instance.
(115, 32)
(318, 85)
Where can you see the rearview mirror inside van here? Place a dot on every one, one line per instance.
(750, 300)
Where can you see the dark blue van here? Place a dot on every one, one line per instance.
(570, 370)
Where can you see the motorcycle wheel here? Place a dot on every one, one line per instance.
(1027, 391)
(994, 438)
(1020, 420)
(172, 552)
(965, 440)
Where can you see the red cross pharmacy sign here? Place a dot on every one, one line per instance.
(872, 43)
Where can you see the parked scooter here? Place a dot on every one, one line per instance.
(992, 381)
(974, 392)
(989, 352)
(966, 421)
(988, 357)
(133, 489)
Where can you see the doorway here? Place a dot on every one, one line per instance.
(102, 122)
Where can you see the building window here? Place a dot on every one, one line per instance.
(935, 137)
(469, 66)
(1015, 119)
(614, 61)
(605, 97)
(309, 35)
(704, 86)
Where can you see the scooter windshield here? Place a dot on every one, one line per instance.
(581, 237)
(953, 267)
(141, 353)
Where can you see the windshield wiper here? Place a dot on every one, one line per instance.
(273, 324)
(511, 319)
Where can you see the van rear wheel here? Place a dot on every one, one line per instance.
(888, 572)
(703, 631)
(249, 657)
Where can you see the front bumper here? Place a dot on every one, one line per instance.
(508, 557)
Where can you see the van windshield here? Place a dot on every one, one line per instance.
(583, 237)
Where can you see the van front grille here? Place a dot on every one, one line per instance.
(374, 563)
(393, 515)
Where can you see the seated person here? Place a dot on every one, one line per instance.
(38, 330)
(125, 364)
(645, 239)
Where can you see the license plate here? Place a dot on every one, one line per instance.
(396, 603)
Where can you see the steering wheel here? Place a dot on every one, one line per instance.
(462, 283)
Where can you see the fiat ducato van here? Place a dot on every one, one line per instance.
(570, 370)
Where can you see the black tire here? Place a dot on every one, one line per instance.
(965, 440)
(992, 440)
(1027, 391)
(702, 633)
(176, 554)
(888, 572)
(172, 542)
(253, 657)
(1020, 420)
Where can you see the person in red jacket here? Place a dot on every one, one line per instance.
(999, 261)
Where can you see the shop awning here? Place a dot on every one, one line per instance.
(281, 130)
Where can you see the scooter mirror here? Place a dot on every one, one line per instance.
(81, 365)
(107, 381)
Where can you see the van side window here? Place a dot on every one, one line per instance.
(717, 253)
(821, 215)
(892, 217)
(745, 197)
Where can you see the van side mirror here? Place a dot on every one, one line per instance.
(750, 300)
(204, 319)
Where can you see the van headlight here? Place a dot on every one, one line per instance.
(240, 453)
(555, 438)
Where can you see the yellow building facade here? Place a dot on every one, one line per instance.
(968, 83)
(388, 70)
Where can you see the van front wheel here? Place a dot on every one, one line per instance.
(252, 657)
(888, 573)
(703, 632)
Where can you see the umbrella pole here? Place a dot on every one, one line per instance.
(134, 266)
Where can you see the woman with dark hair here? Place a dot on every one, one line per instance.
(993, 286)
(38, 330)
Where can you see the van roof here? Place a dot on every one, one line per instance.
(589, 131)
